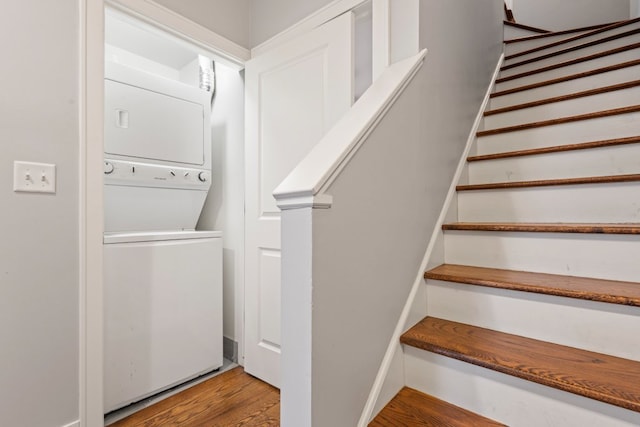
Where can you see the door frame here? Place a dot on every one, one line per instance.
(90, 198)
(90, 132)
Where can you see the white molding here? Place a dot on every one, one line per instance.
(320, 201)
(221, 48)
(90, 205)
(381, 36)
(73, 424)
(394, 344)
(333, 152)
(317, 18)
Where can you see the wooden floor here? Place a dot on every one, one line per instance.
(233, 398)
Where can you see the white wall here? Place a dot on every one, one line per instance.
(268, 18)
(565, 14)
(224, 208)
(229, 18)
(39, 272)
(634, 9)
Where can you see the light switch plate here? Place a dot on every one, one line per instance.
(34, 177)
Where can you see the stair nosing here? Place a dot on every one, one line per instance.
(569, 49)
(561, 98)
(523, 283)
(540, 227)
(559, 33)
(561, 120)
(569, 63)
(586, 34)
(555, 149)
(505, 185)
(514, 362)
(525, 27)
(563, 79)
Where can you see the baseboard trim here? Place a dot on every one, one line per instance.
(73, 424)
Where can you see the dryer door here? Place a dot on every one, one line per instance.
(149, 125)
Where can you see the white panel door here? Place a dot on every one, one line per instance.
(294, 94)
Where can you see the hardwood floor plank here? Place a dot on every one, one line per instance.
(413, 408)
(233, 398)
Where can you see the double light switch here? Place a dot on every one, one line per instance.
(34, 177)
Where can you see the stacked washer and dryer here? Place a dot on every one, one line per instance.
(163, 279)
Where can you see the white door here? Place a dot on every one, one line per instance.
(294, 94)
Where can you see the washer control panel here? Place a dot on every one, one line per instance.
(119, 172)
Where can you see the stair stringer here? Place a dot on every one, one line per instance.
(391, 374)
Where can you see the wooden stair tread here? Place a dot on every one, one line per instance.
(543, 227)
(413, 408)
(525, 27)
(556, 149)
(586, 34)
(550, 182)
(559, 33)
(598, 376)
(609, 291)
(561, 120)
(570, 62)
(567, 78)
(576, 95)
(570, 49)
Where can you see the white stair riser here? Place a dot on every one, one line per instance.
(515, 33)
(521, 46)
(572, 86)
(569, 56)
(505, 398)
(564, 203)
(572, 107)
(580, 42)
(580, 67)
(616, 126)
(603, 256)
(594, 326)
(614, 160)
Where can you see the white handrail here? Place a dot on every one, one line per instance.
(305, 185)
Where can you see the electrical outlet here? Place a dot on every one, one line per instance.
(34, 177)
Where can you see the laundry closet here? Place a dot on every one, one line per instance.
(171, 137)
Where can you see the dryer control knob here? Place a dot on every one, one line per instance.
(203, 176)
(108, 168)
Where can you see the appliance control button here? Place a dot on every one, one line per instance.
(203, 176)
(186, 174)
(172, 173)
(108, 168)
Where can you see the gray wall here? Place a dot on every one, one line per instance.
(459, 64)
(565, 14)
(269, 17)
(39, 247)
(368, 247)
(229, 18)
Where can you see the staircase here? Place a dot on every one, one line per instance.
(534, 318)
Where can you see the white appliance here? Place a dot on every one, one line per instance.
(163, 279)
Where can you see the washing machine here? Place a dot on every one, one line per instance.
(162, 278)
